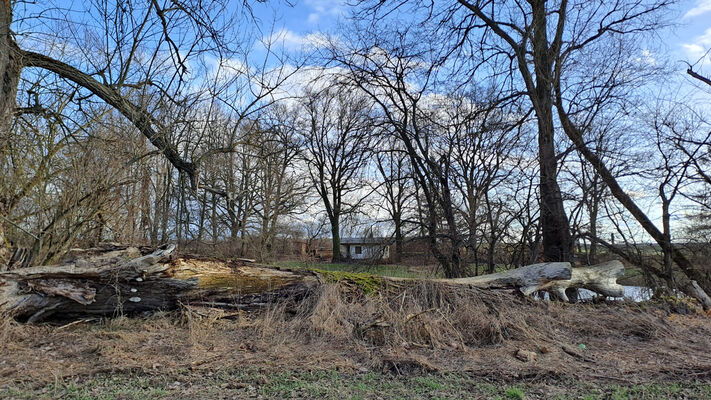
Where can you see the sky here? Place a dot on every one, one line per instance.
(297, 22)
(691, 40)
(688, 41)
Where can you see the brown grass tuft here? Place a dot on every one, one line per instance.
(422, 315)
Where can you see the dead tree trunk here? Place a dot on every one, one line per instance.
(10, 68)
(126, 281)
(694, 274)
(601, 279)
(107, 284)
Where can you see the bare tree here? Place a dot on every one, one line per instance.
(336, 130)
(485, 136)
(281, 185)
(144, 60)
(503, 39)
(396, 188)
(399, 83)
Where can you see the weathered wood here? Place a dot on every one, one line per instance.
(600, 278)
(698, 293)
(528, 279)
(147, 283)
(112, 282)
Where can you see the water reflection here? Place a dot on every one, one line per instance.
(634, 293)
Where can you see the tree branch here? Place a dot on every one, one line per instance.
(143, 121)
(699, 77)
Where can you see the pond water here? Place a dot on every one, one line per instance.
(634, 293)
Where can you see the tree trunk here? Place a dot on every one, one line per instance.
(107, 285)
(5, 250)
(336, 240)
(600, 278)
(557, 242)
(693, 273)
(124, 280)
(10, 69)
(592, 255)
(398, 242)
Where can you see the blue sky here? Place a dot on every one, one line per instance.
(687, 41)
(692, 38)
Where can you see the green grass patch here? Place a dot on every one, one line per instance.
(515, 393)
(330, 384)
(399, 271)
(98, 388)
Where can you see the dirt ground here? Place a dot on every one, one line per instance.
(454, 337)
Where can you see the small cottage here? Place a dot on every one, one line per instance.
(365, 248)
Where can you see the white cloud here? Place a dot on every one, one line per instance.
(325, 9)
(293, 41)
(702, 7)
(693, 50)
(297, 82)
(699, 46)
(647, 57)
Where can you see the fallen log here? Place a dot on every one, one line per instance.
(528, 279)
(124, 280)
(600, 278)
(151, 282)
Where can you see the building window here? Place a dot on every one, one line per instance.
(358, 250)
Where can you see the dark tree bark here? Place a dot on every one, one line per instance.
(557, 241)
(335, 240)
(10, 68)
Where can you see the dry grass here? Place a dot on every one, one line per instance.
(424, 326)
(8, 331)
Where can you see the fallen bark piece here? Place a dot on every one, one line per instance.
(77, 291)
(526, 356)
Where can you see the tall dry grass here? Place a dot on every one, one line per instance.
(8, 331)
(424, 314)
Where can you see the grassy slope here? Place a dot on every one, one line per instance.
(399, 271)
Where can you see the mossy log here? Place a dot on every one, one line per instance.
(111, 284)
(129, 280)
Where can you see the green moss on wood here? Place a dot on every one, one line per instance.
(367, 283)
(244, 284)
